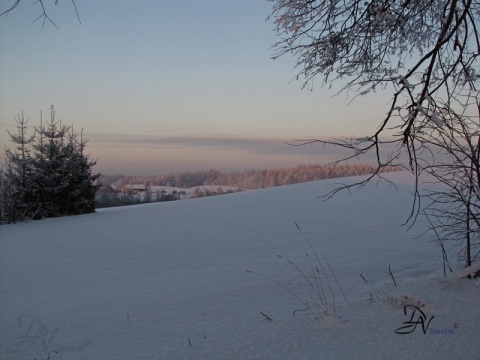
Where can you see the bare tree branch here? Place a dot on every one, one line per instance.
(44, 14)
(14, 5)
(427, 52)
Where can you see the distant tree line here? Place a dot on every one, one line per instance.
(252, 179)
(46, 174)
(199, 192)
(106, 197)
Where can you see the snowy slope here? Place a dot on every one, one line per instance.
(170, 281)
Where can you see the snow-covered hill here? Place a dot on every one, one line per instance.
(170, 281)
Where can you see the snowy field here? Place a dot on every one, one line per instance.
(170, 281)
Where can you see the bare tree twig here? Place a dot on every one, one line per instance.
(43, 15)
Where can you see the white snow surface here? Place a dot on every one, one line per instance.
(169, 281)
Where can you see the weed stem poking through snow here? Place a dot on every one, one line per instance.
(307, 307)
(391, 275)
(320, 263)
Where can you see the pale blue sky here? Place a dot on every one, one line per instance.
(171, 85)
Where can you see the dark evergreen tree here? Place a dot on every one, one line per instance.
(48, 159)
(50, 172)
(81, 188)
(17, 173)
(7, 199)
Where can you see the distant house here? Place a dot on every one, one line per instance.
(108, 189)
(136, 188)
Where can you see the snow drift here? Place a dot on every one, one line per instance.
(170, 281)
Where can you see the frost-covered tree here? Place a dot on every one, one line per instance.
(451, 156)
(424, 52)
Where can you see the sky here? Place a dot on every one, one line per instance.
(170, 86)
